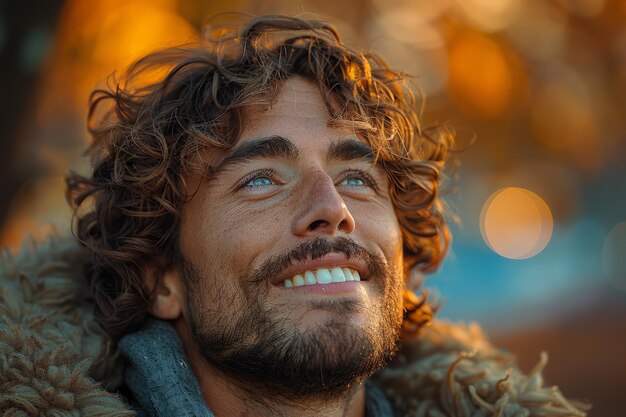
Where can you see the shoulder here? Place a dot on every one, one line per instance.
(54, 355)
(452, 369)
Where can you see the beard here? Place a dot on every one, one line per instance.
(268, 353)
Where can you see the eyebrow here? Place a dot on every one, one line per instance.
(266, 147)
(277, 147)
(349, 149)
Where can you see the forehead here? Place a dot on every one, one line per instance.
(298, 111)
(295, 126)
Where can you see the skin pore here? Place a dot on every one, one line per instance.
(293, 195)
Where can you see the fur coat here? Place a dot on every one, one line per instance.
(56, 361)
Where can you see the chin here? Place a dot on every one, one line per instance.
(320, 355)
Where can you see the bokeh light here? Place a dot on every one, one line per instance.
(555, 182)
(564, 120)
(516, 223)
(481, 76)
(490, 15)
(407, 34)
(539, 32)
(95, 39)
(584, 8)
(614, 256)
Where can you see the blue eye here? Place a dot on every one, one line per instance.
(358, 180)
(259, 182)
(355, 182)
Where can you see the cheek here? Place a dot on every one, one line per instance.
(378, 223)
(382, 228)
(226, 239)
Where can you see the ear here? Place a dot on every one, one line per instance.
(168, 299)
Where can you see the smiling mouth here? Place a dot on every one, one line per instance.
(322, 276)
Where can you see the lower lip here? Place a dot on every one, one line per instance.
(337, 288)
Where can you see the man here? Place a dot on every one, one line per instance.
(252, 220)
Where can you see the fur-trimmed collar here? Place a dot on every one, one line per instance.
(55, 360)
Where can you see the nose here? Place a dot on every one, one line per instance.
(322, 210)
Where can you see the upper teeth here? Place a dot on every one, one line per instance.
(323, 276)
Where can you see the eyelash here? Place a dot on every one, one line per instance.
(367, 178)
(257, 174)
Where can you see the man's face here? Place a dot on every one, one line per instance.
(294, 205)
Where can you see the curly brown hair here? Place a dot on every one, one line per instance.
(148, 138)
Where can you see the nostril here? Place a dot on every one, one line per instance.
(317, 223)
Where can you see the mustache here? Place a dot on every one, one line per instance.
(318, 248)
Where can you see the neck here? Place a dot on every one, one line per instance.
(226, 396)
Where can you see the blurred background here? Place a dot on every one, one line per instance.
(535, 90)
